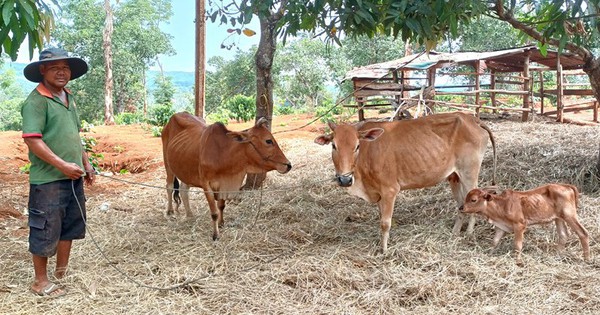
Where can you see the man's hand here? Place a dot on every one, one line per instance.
(71, 170)
(90, 177)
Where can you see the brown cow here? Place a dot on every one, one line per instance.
(376, 160)
(513, 211)
(216, 160)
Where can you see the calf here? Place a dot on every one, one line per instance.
(512, 211)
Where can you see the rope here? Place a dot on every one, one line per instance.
(143, 285)
(210, 191)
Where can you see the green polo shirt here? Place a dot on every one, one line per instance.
(46, 117)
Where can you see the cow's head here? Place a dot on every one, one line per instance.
(345, 143)
(263, 149)
(477, 200)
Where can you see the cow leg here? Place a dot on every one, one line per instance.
(214, 214)
(170, 185)
(221, 206)
(561, 232)
(184, 191)
(386, 210)
(519, 234)
(582, 233)
(460, 187)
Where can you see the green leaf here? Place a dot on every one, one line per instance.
(27, 17)
(7, 11)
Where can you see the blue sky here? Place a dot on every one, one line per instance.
(182, 28)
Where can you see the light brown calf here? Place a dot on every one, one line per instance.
(513, 211)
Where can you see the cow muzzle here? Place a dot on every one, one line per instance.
(284, 167)
(345, 180)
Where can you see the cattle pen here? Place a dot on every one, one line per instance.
(524, 80)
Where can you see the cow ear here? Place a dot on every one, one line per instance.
(323, 139)
(262, 122)
(332, 125)
(241, 137)
(370, 134)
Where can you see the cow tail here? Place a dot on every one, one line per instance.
(489, 131)
(176, 191)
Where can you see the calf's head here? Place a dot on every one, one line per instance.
(263, 150)
(476, 201)
(345, 143)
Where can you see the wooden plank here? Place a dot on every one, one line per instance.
(580, 92)
(383, 86)
(366, 93)
(483, 91)
(509, 82)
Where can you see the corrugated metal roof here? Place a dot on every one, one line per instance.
(508, 60)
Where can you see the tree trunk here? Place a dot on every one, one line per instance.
(264, 82)
(108, 82)
(592, 68)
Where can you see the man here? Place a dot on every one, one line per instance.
(59, 165)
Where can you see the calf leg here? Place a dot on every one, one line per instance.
(519, 233)
(497, 237)
(561, 232)
(583, 235)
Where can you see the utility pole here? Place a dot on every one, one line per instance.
(200, 71)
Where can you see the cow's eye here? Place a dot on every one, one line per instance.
(269, 141)
(473, 200)
(333, 146)
(357, 147)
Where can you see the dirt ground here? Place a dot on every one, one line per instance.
(306, 247)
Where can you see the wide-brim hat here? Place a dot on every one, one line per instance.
(32, 71)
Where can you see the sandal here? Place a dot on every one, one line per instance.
(50, 291)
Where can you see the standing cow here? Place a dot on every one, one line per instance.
(512, 211)
(216, 160)
(376, 160)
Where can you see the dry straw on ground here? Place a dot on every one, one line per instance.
(304, 246)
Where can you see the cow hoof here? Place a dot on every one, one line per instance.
(215, 237)
(520, 263)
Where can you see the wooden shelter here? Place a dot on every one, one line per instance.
(491, 75)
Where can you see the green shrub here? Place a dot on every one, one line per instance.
(220, 115)
(129, 118)
(284, 109)
(10, 114)
(88, 145)
(242, 108)
(159, 115)
(157, 131)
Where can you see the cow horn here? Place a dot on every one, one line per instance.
(262, 121)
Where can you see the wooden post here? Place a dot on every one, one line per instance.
(526, 81)
(493, 87)
(477, 80)
(361, 111)
(541, 72)
(200, 70)
(595, 111)
(559, 92)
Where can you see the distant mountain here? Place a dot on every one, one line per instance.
(183, 81)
